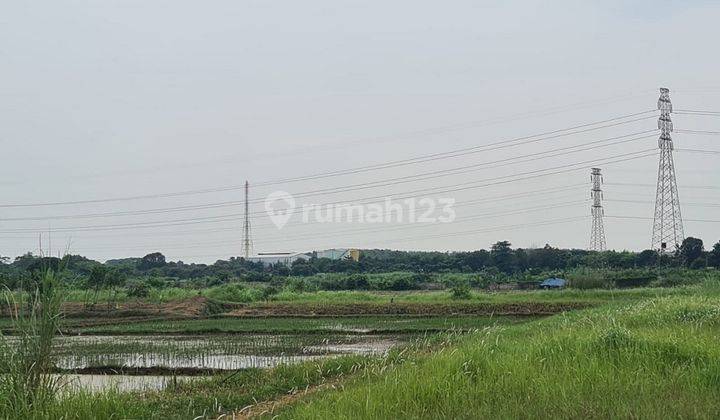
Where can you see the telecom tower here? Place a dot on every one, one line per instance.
(667, 224)
(597, 235)
(247, 242)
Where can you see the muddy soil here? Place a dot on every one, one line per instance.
(186, 308)
(404, 308)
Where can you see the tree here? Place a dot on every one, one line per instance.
(44, 263)
(150, 261)
(647, 258)
(502, 256)
(690, 250)
(137, 289)
(4, 260)
(96, 280)
(715, 255)
(301, 268)
(113, 279)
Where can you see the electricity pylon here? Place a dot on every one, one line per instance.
(597, 235)
(247, 241)
(667, 223)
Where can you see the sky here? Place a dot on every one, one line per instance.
(128, 127)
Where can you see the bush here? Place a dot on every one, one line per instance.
(357, 282)
(633, 278)
(401, 283)
(461, 290)
(137, 289)
(589, 279)
(679, 277)
(235, 292)
(297, 285)
(268, 292)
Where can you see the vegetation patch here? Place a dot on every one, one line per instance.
(612, 362)
(407, 308)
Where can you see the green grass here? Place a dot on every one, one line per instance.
(592, 296)
(26, 389)
(377, 324)
(252, 294)
(639, 353)
(154, 295)
(658, 358)
(203, 398)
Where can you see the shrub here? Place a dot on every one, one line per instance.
(137, 289)
(235, 292)
(357, 281)
(460, 290)
(589, 279)
(297, 285)
(268, 292)
(401, 283)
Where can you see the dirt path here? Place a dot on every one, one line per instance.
(271, 406)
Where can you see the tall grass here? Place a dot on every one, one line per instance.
(26, 387)
(656, 358)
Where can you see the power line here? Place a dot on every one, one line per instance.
(650, 218)
(418, 159)
(649, 202)
(466, 169)
(701, 132)
(710, 152)
(697, 112)
(484, 200)
(504, 179)
(633, 184)
(410, 134)
(473, 149)
(345, 232)
(366, 185)
(452, 188)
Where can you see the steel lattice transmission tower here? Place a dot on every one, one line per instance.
(667, 224)
(247, 241)
(597, 235)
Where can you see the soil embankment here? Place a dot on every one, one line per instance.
(405, 308)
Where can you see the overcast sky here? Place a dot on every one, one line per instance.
(121, 99)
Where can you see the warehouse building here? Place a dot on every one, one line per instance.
(287, 258)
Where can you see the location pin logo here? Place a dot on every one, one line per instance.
(279, 216)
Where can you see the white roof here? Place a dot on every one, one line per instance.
(277, 255)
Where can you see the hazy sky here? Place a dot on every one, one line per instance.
(120, 99)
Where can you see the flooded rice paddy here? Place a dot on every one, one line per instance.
(70, 382)
(168, 359)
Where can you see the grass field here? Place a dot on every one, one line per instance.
(656, 358)
(222, 294)
(306, 325)
(634, 353)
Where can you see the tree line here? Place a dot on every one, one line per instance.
(501, 258)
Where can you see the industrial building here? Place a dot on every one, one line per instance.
(338, 254)
(287, 258)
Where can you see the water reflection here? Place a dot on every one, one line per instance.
(122, 383)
